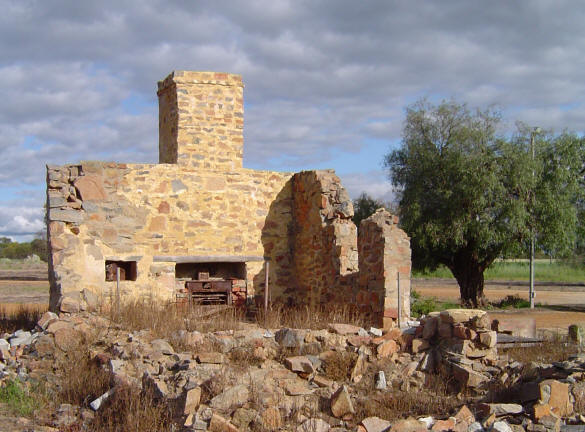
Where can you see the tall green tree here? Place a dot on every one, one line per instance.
(364, 206)
(469, 196)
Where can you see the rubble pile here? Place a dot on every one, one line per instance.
(281, 379)
(462, 341)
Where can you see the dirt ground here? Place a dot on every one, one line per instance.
(24, 291)
(557, 306)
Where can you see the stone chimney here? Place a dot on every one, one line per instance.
(201, 120)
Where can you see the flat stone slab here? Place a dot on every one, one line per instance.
(206, 258)
(375, 424)
(344, 329)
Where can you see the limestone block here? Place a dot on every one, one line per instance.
(556, 394)
(462, 332)
(211, 358)
(387, 348)
(499, 409)
(69, 305)
(90, 188)
(343, 329)
(341, 403)
(464, 415)
(46, 319)
(221, 424)
(455, 316)
(290, 338)
(467, 377)
(231, 397)
(444, 425)
(190, 400)
(72, 216)
(299, 364)
(419, 345)
(68, 339)
(430, 327)
(375, 424)
(488, 339)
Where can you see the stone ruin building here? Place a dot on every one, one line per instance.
(200, 219)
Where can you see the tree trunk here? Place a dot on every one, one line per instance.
(469, 275)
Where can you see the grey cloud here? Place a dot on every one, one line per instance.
(373, 182)
(17, 221)
(321, 77)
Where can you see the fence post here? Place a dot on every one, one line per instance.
(267, 272)
(117, 291)
(399, 301)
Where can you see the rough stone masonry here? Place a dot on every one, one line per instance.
(198, 211)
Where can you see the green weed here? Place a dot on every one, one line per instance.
(545, 271)
(19, 398)
(420, 306)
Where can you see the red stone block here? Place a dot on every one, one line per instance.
(391, 313)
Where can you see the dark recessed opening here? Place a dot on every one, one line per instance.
(216, 270)
(127, 270)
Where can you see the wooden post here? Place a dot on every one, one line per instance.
(399, 301)
(267, 272)
(117, 290)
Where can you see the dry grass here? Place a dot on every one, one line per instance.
(214, 386)
(81, 379)
(308, 317)
(338, 365)
(244, 357)
(130, 410)
(579, 405)
(25, 289)
(436, 398)
(19, 316)
(167, 320)
(551, 350)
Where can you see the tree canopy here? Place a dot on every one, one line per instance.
(16, 250)
(468, 196)
(364, 206)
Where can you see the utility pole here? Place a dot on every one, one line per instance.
(531, 293)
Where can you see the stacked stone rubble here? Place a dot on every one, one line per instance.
(257, 387)
(461, 340)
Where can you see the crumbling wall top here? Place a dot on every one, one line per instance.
(197, 77)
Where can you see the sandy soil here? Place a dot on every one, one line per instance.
(545, 295)
(19, 291)
(560, 308)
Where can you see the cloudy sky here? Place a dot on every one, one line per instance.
(326, 81)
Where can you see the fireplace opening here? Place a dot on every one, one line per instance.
(210, 271)
(213, 283)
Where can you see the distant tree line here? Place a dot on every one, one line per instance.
(21, 250)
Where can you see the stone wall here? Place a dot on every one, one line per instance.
(384, 252)
(325, 238)
(105, 211)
